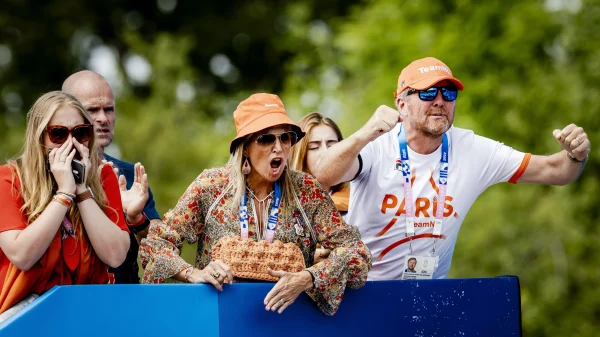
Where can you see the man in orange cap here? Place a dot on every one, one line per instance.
(403, 161)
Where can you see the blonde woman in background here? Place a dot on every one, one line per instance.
(321, 133)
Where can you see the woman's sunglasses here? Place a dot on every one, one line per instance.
(287, 138)
(59, 134)
(449, 94)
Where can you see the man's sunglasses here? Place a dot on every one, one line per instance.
(287, 138)
(449, 94)
(59, 134)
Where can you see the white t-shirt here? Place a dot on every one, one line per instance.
(377, 196)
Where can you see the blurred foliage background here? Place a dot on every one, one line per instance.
(179, 68)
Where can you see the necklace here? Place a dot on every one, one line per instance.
(261, 209)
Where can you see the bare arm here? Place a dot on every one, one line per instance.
(25, 247)
(110, 242)
(556, 169)
(340, 162)
(563, 167)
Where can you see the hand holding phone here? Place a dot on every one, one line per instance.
(78, 169)
(61, 168)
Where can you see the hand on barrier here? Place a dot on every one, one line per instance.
(216, 273)
(287, 289)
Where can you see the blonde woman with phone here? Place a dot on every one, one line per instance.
(54, 230)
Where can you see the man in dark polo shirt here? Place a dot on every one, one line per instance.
(96, 95)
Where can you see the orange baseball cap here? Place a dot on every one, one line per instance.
(422, 74)
(259, 112)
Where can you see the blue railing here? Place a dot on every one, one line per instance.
(453, 307)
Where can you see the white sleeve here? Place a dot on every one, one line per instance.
(365, 158)
(496, 162)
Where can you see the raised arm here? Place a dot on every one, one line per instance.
(106, 229)
(340, 163)
(563, 167)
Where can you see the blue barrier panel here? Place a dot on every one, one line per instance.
(452, 307)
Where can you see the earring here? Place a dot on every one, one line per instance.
(246, 168)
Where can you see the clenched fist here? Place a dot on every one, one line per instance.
(574, 140)
(383, 120)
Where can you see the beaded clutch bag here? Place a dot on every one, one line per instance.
(251, 259)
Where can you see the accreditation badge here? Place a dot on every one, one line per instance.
(418, 267)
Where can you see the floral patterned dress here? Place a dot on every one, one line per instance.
(347, 265)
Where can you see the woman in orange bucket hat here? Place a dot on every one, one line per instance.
(256, 202)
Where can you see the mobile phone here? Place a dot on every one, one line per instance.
(78, 169)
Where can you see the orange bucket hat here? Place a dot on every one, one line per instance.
(422, 74)
(259, 112)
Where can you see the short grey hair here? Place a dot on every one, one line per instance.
(402, 95)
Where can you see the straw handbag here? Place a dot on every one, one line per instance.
(251, 259)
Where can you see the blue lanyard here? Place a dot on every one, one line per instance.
(273, 215)
(403, 164)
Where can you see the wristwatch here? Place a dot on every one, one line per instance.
(84, 196)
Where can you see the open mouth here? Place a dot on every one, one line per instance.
(276, 163)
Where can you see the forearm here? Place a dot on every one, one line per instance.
(568, 170)
(27, 246)
(556, 169)
(109, 241)
(340, 162)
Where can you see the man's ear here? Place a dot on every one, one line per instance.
(400, 103)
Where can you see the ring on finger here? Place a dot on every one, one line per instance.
(216, 275)
(281, 302)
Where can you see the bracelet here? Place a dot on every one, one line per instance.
(70, 195)
(187, 273)
(62, 200)
(139, 222)
(65, 195)
(575, 160)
